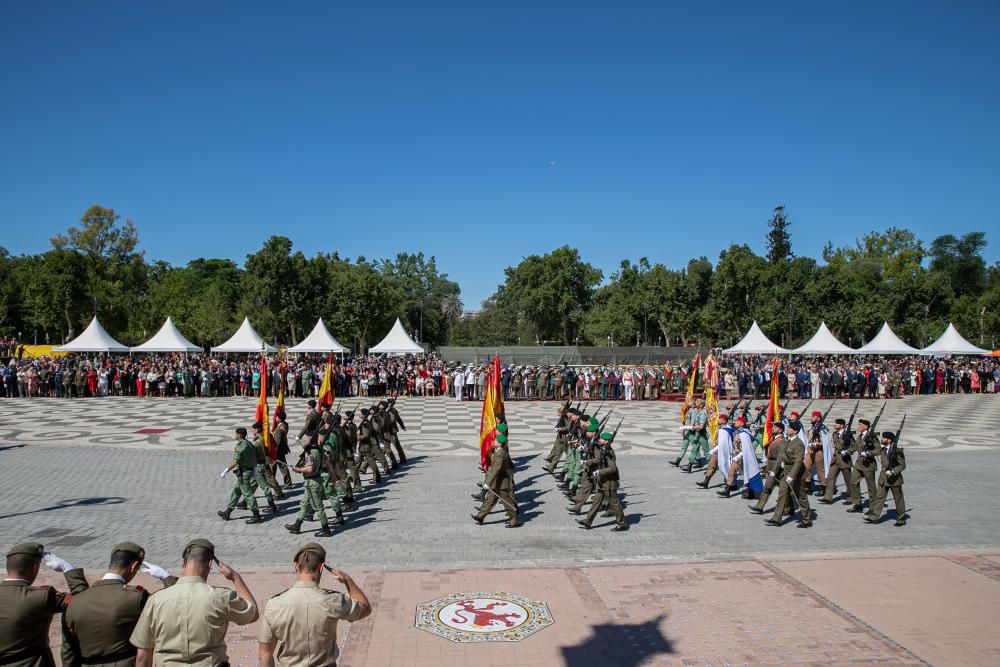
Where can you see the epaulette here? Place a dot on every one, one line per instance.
(136, 588)
(281, 593)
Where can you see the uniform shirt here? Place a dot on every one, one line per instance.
(302, 621)
(25, 615)
(186, 624)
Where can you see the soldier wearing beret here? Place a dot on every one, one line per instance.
(893, 464)
(244, 461)
(187, 623)
(772, 468)
(499, 480)
(793, 482)
(98, 621)
(26, 611)
(301, 622)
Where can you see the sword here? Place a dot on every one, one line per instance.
(506, 504)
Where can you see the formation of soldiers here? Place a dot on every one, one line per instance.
(112, 622)
(801, 459)
(336, 452)
(547, 382)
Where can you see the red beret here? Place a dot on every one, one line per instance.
(817, 413)
(723, 417)
(740, 420)
(795, 415)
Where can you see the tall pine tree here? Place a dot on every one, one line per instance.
(779, 242)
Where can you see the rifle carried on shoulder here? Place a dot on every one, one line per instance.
(870, 436)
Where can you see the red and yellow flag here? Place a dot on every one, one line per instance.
(280, 406)
(492, 408)
(326, 388)
(773, 408)
(689, 400)
(261, 416)
(712, 397)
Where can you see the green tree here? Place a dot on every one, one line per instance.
(961, 260)
(452, 309)
(779, 241)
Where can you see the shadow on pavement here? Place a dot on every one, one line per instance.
(623, 645)
(72, 503)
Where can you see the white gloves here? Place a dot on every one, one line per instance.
(223, 473)
(154, 570)
(770, 473)
(889, 473)
(54, 562)
(789, 480)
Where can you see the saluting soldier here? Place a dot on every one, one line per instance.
(26, 610)
(793, 482)
(893, 464)
(840, 462)
(864, 467)
(606, 477)
(300, 623)
(98, 621)
(244, 461)
(187, 622)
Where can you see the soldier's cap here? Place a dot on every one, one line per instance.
(795, 426)
(365, 411)
(311, 403)
(199, 542)
(723, 417)
(888, 435)
(793, 415)
(865, 422)
(740, 420)
(817, 414)
(242, 432)
(281, 414)
(130, 547)
(591, 427)
(27, 549)
(607, 436)
(840, 421)
(502, 439)
(312, 546)
(257, 426)
(382, 404)
(593, 420)
(502, 427)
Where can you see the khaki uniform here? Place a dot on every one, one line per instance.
(894, 483)
(840, 464)
(245, 455)
(186, 624)
(302, 621)
(98, 622)
(864, 468)
(607, 487)
(313, 421)
(793, 465)
(25, 615)
(775, 454)
(500, 479)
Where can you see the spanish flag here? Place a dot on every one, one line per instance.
(773, 408)
(712, 397)
(280, 407)
(689, 400)
(267, 440)
(492, 409)
(326, 388)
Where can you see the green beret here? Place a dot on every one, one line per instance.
(130, 547)
(200, 542)
(28, 549)
(607, 436)
(591, 427)
(502, 427)
(502, 439)
(312, 546)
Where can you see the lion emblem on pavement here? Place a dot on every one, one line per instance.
(483, 617)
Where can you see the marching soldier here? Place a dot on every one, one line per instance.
(794, 481)
(893, 464)
(369, 449)
(864, 467)
(381, 425)
(314, 463)
(244, 461)
(559, 447)
(262, 474)
(395, 423)
(606, 477)
(689, 438)
(840, 462)
(313, 419)
(772, 469)
(280, 435)
(26, 610)
(724, 443)
(98, 621)
(817, 451)
(500, 484)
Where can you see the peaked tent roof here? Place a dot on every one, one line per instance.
(952, 342)
(246, 339)
(755, 342)
(319, 340)
(824, 342)
(167, 339)
(886, 342)
(93, 339)
(397, 341)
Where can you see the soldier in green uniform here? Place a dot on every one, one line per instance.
(98, 621)
(26, 611)
(280, 435)
(606, 478)
(244, 460)
(840, 462)
(395, 423)
(365, 456)
(368, 449)
(690, 438)
(314, 462)
(588, 464)
(500, 480)
(893, 463)
(775, 453)
(67, 381)
(559, 447)
(332, 477)
(793, 478)
(381, 426)
(262, 474)
(864, 467)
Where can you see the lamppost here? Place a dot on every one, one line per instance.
(645, 322)
(982, 336)
(637, 339)
(927, 311)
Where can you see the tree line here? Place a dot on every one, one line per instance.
(98, 267)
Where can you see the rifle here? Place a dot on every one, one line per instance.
(598, 411)
(850, 422)
(869, 435)
(891, 456)
(604, 421)
(848, 437)
(732, 411)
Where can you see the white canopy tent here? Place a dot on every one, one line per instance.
(168, 339)
(824, 342)
(93, 339)
(755, 342)
(397, 341)
(887, 342)
(319, 340)
(952, 342)
(246, 339)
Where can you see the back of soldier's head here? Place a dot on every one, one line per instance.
(23, 566)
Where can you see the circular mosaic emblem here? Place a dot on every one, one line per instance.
(483, 617)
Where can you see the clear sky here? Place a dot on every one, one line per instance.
(482, 131)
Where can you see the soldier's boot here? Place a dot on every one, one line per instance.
(478, 519)
(686, 467)
(294, 528)
(481, 496)
(225, 514)
(339, 521)
(676, 462)
(241, 505)
(324, 531)
(255, 518)
(309, 515)
(704, 483)
(272, 506)
(726, 491)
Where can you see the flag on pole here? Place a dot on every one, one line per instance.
(492, 409)
(280, 406)
(712, 397)
(326, 388)
(261, 416)
(773, 408)
(689, 400)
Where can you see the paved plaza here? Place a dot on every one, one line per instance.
(697, 580)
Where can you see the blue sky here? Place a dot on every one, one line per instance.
(480, 132)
